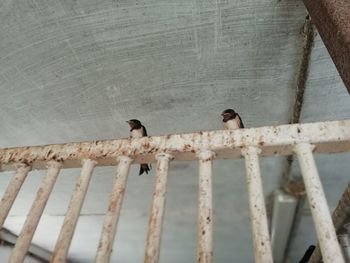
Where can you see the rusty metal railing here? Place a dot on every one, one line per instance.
(251, 144)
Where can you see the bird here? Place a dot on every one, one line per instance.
(307, 254)
(231, 120)
(137, 130)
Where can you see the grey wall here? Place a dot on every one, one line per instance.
(76, 70)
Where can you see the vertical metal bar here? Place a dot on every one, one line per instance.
(72, 215)
(318, 204)
(23, 242)
(260, 232)
(115, 202)
(12, 191)
(155, 222)
(339, 216)
(205, 208)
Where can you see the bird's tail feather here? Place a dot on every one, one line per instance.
(307, 254)
(144, 168)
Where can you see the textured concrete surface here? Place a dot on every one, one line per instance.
(76, 70)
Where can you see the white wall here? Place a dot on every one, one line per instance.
(5, 253)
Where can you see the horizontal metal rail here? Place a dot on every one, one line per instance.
(333, 136)
(302, 139)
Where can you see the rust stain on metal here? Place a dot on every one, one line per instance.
(145, 149)
(295, 188)
(187, 147)
(21, 247)
(257, 209)
(205, 212)
(115, 201)
(155, 222)
(72, 215)
(261, 140)
(48, 154)
(12, 190)
(146, 145)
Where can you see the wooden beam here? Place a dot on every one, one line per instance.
(332, 20)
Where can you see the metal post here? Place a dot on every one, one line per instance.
(155, 222)
(260, 232)
(72, 215)
(23, 242)
(339, 216)
(115, 202)
(205, 208)
(12, 191)
(318, 204)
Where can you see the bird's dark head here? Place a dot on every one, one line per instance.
(228, 114)
(134, 124)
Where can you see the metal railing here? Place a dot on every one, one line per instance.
(301, 139)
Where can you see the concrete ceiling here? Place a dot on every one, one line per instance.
(76, 70)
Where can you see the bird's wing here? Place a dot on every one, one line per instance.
(144, 131)
(240, 122)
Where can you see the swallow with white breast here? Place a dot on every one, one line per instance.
(231, 120)
(137, 130)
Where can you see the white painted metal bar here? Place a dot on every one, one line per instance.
(115, 202)
(73, 212)
(39, 252)
(263, 141)
(339, 216)
(260, 232)
(205, 208)
(155, 222)
(329, 137)
(20, 250)
(12, 191)
(325, 231)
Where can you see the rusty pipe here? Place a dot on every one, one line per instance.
(155, 221)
